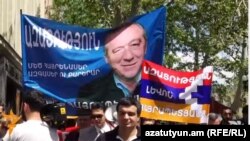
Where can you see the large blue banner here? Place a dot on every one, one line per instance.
(80, 65)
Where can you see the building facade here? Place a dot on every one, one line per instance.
(10, 47)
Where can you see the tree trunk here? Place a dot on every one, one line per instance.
(196, 59)
(196, 51)
(205, 60)
(134, 8)
(118, 17)
(237, 98)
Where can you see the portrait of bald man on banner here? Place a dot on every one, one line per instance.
(125, 48)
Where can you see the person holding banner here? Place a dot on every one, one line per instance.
(125, 48)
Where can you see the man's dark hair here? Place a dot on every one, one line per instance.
(97, 105)
(34, 99)
(128, 101)
(119, 29)
(83, 112)
(227, 109)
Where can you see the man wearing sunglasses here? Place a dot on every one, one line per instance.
(99, 124)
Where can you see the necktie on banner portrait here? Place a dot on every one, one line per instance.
(57, 59)
(176, 96)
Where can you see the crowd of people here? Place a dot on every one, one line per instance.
(93, 125)
(125, 55)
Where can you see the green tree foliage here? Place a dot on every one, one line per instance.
(215, 32)
(210, 32)
(95, 13)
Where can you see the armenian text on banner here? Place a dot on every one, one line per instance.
(177, 96)
(59, 59)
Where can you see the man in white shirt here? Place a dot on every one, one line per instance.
(34, 129)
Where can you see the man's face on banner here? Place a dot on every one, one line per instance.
(125, 51)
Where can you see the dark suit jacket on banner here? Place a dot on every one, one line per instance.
(103, 89)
